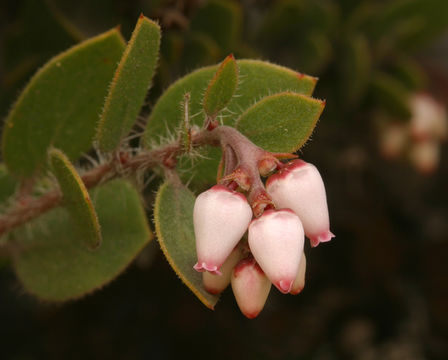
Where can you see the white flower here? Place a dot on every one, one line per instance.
(299, 282)
(250, 287)
(276, 241)
(300, 188)
(215, 284)
(220, 217)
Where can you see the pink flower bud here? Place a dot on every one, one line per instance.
(215, 284)
(276, 241)
(300, 188)
(220, 217)
(299, 282)
(250, 286)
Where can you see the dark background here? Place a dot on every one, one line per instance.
(379, 290)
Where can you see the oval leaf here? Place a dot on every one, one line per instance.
(130, 84)
(258, 79)
(281, 122)
(221, 88)
(60, 105)
(76, 199)
(173, 215)
(54, 266)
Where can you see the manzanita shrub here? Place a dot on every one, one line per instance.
(69, 230)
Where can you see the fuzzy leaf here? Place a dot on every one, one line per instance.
(53, 264)
(76, 199)
(173, 214)
(60, 105)
(222, 87)
(259, 79)
(281, 122)
(7, 184)
(130, 84)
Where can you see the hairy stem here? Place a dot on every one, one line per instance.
(246, 154)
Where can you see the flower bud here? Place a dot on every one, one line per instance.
(429, 118)
(250, 286)
(215, 284)
(276, 242)
(393, 139)
(300, 188)
(299, 282)
(220, 217)
(425, 155)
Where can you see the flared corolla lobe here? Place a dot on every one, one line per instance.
(250, 287)
(216, 284)
(220, 217)
(300, 188)
(299, 282)
(276, 242)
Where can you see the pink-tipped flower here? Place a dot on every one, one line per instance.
(299, 282)
(216, 284)
(276, 242)
(250, 286)
(300, 188)
(220, 217)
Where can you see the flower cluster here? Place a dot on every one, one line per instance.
(420, 139)
(274, 250)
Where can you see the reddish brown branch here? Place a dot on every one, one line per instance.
(24, 211)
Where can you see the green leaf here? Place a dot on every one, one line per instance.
(391, 94)
(411, 23)
(53, 265)
(410, 73)
(221, 20)
(281, 122)
(222, 87)
(60, 105)
(76, 199)
(258, 79)
(173, 215)
(130, 84)
(7, 184)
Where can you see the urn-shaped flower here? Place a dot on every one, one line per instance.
(220, 217)
(276, 241)
(250, 286)
(300, 188)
